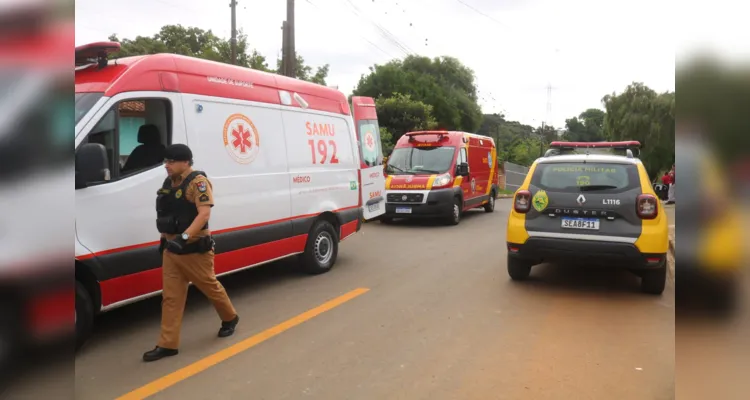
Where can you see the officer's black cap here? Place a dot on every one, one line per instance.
(178, 152)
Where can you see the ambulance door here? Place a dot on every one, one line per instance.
(371, 156)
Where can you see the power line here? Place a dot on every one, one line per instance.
(366, 39)
(480, 12)
(383, 31)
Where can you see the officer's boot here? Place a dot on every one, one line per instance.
(158, 353)
(227, 327)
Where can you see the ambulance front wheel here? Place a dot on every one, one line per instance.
(321, 249)
(454, 218)
(490, 206)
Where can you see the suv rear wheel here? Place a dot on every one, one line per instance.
(654, 281)
(518, 269)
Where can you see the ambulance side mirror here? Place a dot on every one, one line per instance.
(91, 164)
(462, 169)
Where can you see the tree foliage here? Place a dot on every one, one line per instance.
(443, 83)
(196, 42)
(401, 114)
(586, 127)
(516, 142)
(639, 113)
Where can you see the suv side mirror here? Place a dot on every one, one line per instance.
(462, 169)
(91, 164)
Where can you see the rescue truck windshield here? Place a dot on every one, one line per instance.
(84, 102)
(420, 160)
(571, 177)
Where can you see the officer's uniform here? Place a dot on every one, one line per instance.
(193, 261)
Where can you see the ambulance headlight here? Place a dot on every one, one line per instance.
(442, 180)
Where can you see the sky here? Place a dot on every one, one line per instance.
(582, 49)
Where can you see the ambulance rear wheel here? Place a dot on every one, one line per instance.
(84, 316)
(321, 250)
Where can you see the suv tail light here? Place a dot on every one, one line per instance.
(522, 201)
(647, 206)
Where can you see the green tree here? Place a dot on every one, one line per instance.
(196, 42)
(305, 72)
(443, 83)
(586, 127)
(386, 138)
(507, 135)
(639, 113)
(400, 114)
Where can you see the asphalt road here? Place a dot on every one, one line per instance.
(436, 317)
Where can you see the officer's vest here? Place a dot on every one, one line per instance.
(174, 214)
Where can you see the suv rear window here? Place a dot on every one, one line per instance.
(588, 177)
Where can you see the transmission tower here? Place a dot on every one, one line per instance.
(549, 104)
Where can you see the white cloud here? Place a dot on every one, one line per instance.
(583, 48)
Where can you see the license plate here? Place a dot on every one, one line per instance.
(580, 223)
(373, 207)
(403, 210)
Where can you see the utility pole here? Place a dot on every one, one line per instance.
(233, 41)
(291, 56)
(284, 46)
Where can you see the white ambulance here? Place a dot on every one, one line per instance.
(295, 168)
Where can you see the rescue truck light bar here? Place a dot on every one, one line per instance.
(442, 135)
(95, 53)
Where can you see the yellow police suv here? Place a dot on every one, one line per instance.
(589, 202)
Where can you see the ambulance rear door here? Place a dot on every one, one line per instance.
(371, 156)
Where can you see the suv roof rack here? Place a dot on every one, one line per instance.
(561, 148)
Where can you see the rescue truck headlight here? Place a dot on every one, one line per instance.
(442, 180)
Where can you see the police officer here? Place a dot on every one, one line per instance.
(183, 209)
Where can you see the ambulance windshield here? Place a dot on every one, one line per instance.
(84, 102)
(420, 160)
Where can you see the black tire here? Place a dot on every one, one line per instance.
(325, 240)
(654, 281)
(455, 216)
(518, 269)
(490, 206)
(84, 315)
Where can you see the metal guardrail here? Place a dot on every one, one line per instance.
(514, 175)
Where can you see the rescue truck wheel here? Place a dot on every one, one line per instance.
(84, 316)
(490, 206)
(455, 216)
(653, 282)
(518, 269)
(321, 250)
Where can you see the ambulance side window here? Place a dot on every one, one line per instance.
(370, 143)
(135, 133)
(462, 156)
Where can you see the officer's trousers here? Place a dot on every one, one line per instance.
(177, 271)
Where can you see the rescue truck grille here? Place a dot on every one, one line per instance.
(404, 197)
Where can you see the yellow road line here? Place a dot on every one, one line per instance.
(207, 362)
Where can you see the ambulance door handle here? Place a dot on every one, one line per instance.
(374, 200)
